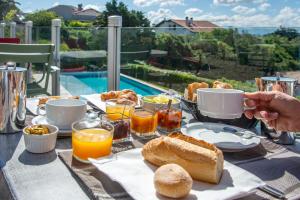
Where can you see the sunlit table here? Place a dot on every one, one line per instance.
(27, 176)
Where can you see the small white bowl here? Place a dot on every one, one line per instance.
(41, 143)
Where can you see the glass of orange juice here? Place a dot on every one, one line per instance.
(91, 139)
(116, 109)
(143, 122)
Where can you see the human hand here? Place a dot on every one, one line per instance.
(278, 110)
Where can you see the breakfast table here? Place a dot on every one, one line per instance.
(55, 175)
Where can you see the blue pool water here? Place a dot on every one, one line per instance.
(81, 83)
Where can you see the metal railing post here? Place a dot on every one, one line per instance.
(28, 32)
(55, 71)
(28, 40)
(12, 29)
(55, 38)
(55, 81)
(113, 54)
(2, 30)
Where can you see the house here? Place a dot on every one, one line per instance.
(68, 12)
(183, 27)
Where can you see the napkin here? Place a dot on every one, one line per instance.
(95, 100)
(136, 176)
(32, 104)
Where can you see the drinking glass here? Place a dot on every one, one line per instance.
(121, 128)
(169, 120)
(143, 122)
(116, 108)
(91, 139)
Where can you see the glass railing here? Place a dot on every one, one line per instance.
(41, 35)
(20, 32)
(83, 60)
(172, 57)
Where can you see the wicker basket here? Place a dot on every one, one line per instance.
(242, 122)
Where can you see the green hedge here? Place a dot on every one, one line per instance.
(177, 80)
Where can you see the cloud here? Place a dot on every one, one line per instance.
(93, 6)
(264, 6)
(193, 12)
(160, 14)
(234, 2)
(287, 16)
(161, 3)
(55, 4)
(243, 10)
(28, 10)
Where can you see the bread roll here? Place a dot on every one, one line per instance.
(192, 88)
(221, 85)
(43, 100)
(203, 161)
(173, 181)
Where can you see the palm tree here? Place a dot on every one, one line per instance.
(6, 6)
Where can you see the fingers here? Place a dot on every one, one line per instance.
(260, 96)
(269, 116)
(251, 103)
(261, 114)
(249, 114)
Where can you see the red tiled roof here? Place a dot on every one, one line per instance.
(197, 25)
(76, 12)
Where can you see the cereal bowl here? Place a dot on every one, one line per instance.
(40, 142)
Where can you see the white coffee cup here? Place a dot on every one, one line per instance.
(221, 103)
(63, 112)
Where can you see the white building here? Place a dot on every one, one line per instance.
(183, 27)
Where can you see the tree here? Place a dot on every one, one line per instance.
(290, 33)
(11, 15)
(42, 22)
(41, 18)
(131, 18)
(6, 6)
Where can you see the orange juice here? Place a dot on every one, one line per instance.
(91, 143)
(117, 109)
(116, 112)
(143, 122)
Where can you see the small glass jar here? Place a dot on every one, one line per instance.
(117, 108)
(121, 128)
(143, 123)
(169, 120)
(91, 139)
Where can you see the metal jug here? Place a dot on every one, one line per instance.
(12, 98)
(282, 84)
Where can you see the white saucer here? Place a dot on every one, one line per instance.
(214, 133)
(42, 120)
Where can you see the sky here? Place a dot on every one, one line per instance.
(241, 13)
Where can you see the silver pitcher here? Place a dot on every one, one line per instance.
(285, 85)
(12, 98)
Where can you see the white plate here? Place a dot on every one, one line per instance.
(214, 133)
(95, 99)
(42, 120)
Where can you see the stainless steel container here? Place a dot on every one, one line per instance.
(282, 84)
(285, 85)
(12, 98)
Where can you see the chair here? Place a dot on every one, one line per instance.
(10, 40)
(31, 53)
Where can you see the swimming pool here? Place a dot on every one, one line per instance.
(83, 83)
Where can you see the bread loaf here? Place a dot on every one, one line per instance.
(203, 161)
